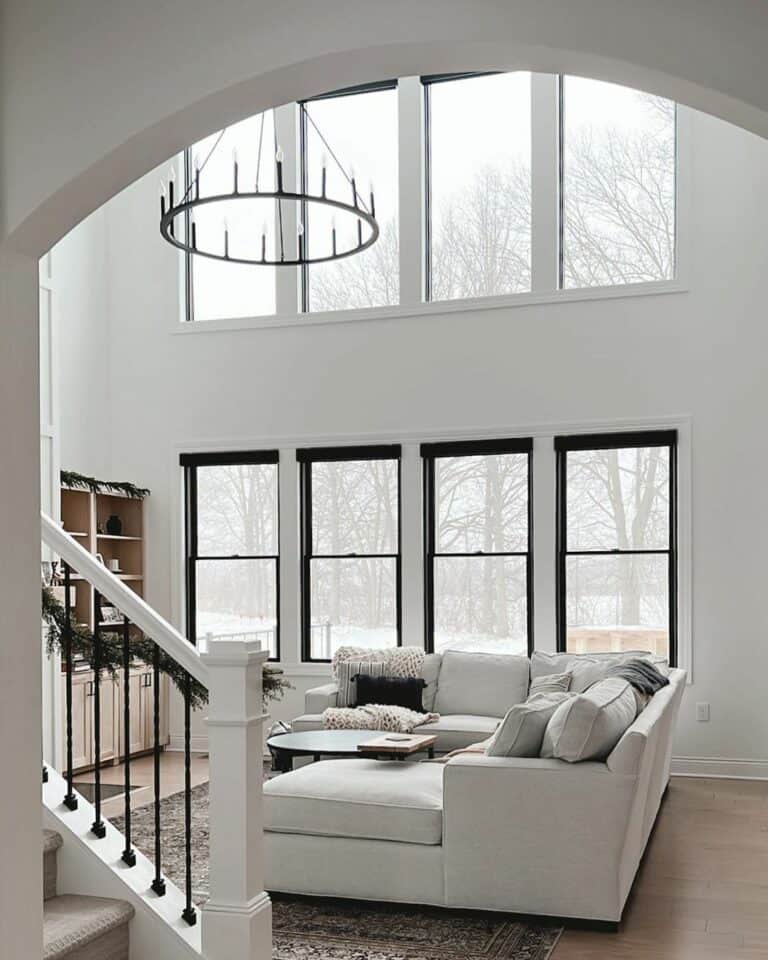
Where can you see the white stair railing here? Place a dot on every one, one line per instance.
(237, 919)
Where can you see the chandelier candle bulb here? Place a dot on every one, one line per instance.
(359, 232)
(333, 237)
(226, 239)
(264, 245)
(197, 176)
(193, 229)
(373, 205)
(354, 190)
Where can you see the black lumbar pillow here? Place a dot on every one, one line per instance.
(392, 691)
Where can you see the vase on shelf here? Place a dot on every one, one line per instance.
(114, 525)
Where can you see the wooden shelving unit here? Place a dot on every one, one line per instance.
(84, 515)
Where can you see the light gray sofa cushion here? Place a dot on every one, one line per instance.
(367, 799)
(459, 730)
(431, 673)
(481, 684)
(589, 725)
(551, 683)
(521, 732)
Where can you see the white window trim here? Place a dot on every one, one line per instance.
(411, 212)
(412, 547)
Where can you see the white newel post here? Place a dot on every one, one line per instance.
(237, 920)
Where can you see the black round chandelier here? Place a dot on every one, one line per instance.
(179, 228)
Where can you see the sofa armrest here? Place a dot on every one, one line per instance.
(564, 822)
(319, 698)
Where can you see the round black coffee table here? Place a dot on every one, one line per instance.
(321, 743)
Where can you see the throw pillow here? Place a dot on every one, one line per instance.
(552, 683)
(588, 726)
(348, 671)
(390, 691)
(521, 732)
(645, 678)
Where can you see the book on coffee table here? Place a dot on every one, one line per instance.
(398, 744)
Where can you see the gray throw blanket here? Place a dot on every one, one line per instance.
(641, 674)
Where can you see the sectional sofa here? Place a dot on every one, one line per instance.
(525, 835)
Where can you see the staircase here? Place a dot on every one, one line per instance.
(235, 922)
(80, 928)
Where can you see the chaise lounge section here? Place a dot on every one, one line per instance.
(524, 835)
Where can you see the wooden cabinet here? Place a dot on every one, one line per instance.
(112, 718)
(86, 516)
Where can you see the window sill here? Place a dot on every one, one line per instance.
(431, 309)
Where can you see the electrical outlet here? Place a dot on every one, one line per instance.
(702, 712)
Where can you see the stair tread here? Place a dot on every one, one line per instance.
(51, 841)
(71, 921)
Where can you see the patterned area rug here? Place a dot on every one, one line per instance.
(306, 928)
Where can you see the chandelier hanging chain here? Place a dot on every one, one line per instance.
(192, 199)
(331, 152)
(258, 155)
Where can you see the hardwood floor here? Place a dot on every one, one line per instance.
(702, 890)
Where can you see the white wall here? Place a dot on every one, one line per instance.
(79, 264)
(698, 353)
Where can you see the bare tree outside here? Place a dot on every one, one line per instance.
(618, 500)
(237, 518)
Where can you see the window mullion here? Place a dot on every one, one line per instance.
(287, 279)
(411, 179)
(545, 182)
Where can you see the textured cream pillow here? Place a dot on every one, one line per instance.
(521, 732)
(589, 725)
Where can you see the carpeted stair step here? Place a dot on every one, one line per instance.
(85, 928)
(51, 843)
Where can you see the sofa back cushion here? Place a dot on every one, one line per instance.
(521, 732)
(431, 672)
(585, 668)
(481, 684)
(589, 725)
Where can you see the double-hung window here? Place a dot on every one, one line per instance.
(616, 542)
(478, 578)
(232, 546)
(351, 564)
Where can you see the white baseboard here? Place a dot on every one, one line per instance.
(196, 744)
(720, 768)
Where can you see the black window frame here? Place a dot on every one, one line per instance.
(615, 441)
(303, 158)
(189, 463)
(470, 448)
(305, 458)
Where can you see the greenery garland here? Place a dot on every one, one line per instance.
(78, 481)
(274, 684)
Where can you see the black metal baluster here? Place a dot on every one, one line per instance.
(45, 774)
(70, 800)
(129, 854)
(189, 913)
(98, 828)
(158, 884)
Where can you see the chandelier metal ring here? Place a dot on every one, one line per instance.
(189, 243)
